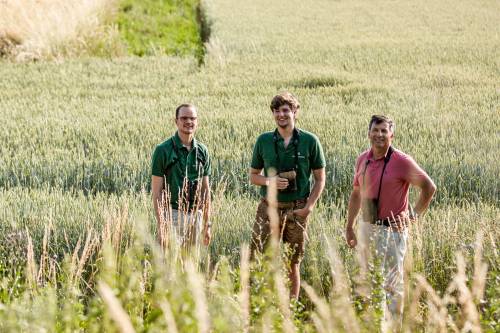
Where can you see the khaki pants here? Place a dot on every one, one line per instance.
(387, 248)
(186, 227)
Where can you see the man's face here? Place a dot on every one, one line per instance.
(187, 120)
(285, 116)
(380, 136)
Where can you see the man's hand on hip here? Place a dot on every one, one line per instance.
(303, 212)
(399, 224)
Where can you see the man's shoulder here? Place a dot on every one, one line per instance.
(308, 135)
(265, 137)
(165, 145)
(363, 155)
(203, 148)
(400, 155)
(403, 161)
(396, 155)
(362, 158)
(162, 156)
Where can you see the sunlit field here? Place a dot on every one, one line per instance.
(77, 227)
(33, 30)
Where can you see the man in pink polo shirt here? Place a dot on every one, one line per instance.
(382, 178)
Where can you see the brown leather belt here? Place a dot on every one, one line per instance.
(287, 204)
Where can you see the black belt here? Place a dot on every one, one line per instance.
(385, 222)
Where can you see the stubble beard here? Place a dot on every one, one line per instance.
(187, 131)
(289, 124)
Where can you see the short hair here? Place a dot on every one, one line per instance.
(378, 119)
(184, 105)
(284, 98)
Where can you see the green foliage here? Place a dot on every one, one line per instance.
(152, 27)
(490, 304)
(143, 278)
(77, 138)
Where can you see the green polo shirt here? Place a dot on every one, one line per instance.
(175, 162)
(310, 157)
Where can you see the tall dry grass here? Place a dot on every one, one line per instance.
(434, 74)
(116, 310)
(455, 311)
(53, 29)
(177, 288)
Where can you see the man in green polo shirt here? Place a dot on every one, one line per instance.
(180, 186)
(293, 154)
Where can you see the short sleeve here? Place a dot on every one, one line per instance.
(158, 162)
(317, 157)
(207, 168)
(355, 178)
(257, 159)
(413, 172)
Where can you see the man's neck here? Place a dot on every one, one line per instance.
(379, 152)
(287, 132)
(186, 139)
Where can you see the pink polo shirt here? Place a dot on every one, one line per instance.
(401, 170)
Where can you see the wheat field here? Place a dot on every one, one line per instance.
(77, 241)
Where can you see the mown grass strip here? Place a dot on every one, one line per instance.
(151, 27)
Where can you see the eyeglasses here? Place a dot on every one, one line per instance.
(184, 119)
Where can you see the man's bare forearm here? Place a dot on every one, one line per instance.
(206, 207)
(206, 212)
(315, 193)
(258, 179)
(319, 185)
(353, 208)
(157, 206)
(352, 213)
(156, 192)
(205, 199)
(425, 197)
